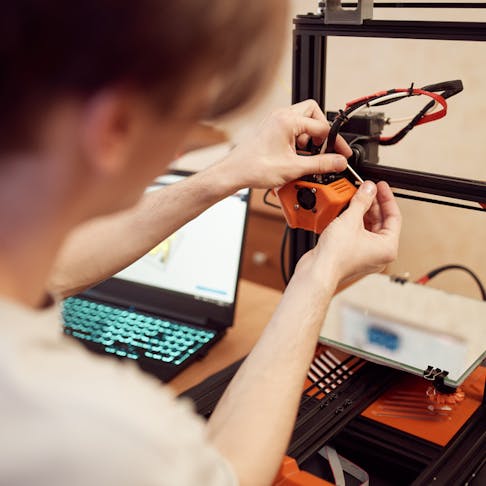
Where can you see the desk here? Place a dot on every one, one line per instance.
(254, 308)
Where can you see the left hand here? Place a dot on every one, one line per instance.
(269, 158)
(361, 240)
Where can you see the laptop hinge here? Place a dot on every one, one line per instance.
(219, 326)
(201, 321)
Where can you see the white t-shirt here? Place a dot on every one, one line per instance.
(68, 417)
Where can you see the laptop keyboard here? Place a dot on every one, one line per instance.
(129, 334)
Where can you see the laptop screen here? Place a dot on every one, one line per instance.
(202, 258)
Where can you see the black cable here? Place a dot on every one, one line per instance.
(283, 245)
(340, 119)
(433, 273)
(448, 88)
(401, 133)
(391, 100)
(283, 269)
(267, 202)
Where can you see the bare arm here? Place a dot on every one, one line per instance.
(101, 248)
(253, 421)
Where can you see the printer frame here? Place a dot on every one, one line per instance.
(309, 67)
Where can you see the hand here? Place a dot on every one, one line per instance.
(269, 159)
(362, 240)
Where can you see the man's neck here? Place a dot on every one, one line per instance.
(24, 272)
(31, 230)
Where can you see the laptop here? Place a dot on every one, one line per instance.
(171, 306)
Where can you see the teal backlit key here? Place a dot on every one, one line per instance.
(129, 334)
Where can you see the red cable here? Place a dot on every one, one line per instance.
(412, 92)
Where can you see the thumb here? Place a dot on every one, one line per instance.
(322, 163)
(363, 199)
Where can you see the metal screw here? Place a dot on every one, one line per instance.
(296, 207)
(313, 190)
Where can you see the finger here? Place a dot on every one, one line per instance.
(311, 109)
(373, 218)
(320, 164)
(311, 127)
(392, 218)
(363, 199)
(342, 147)
(319, 129)
(302, 141)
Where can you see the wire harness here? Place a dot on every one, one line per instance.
(438, 93)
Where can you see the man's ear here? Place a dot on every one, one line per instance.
(109, 122)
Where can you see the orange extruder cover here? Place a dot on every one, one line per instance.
(331, 199)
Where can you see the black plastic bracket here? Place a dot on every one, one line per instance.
(437, 377)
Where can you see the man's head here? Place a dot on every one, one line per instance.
(105, 90)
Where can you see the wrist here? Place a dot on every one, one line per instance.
(321, 273)
(234, 167)
(220, 181)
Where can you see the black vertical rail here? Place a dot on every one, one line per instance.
(308, 81)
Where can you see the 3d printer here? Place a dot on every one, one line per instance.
(402, 429)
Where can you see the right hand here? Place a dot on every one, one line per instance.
(269, 158)
(363, 239)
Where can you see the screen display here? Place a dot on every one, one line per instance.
(202, 258)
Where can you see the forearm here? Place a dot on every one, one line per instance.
(253, 421)
(102, 247)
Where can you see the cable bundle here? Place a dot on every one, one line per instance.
(438, 92)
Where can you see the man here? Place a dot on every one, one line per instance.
(96, 98)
